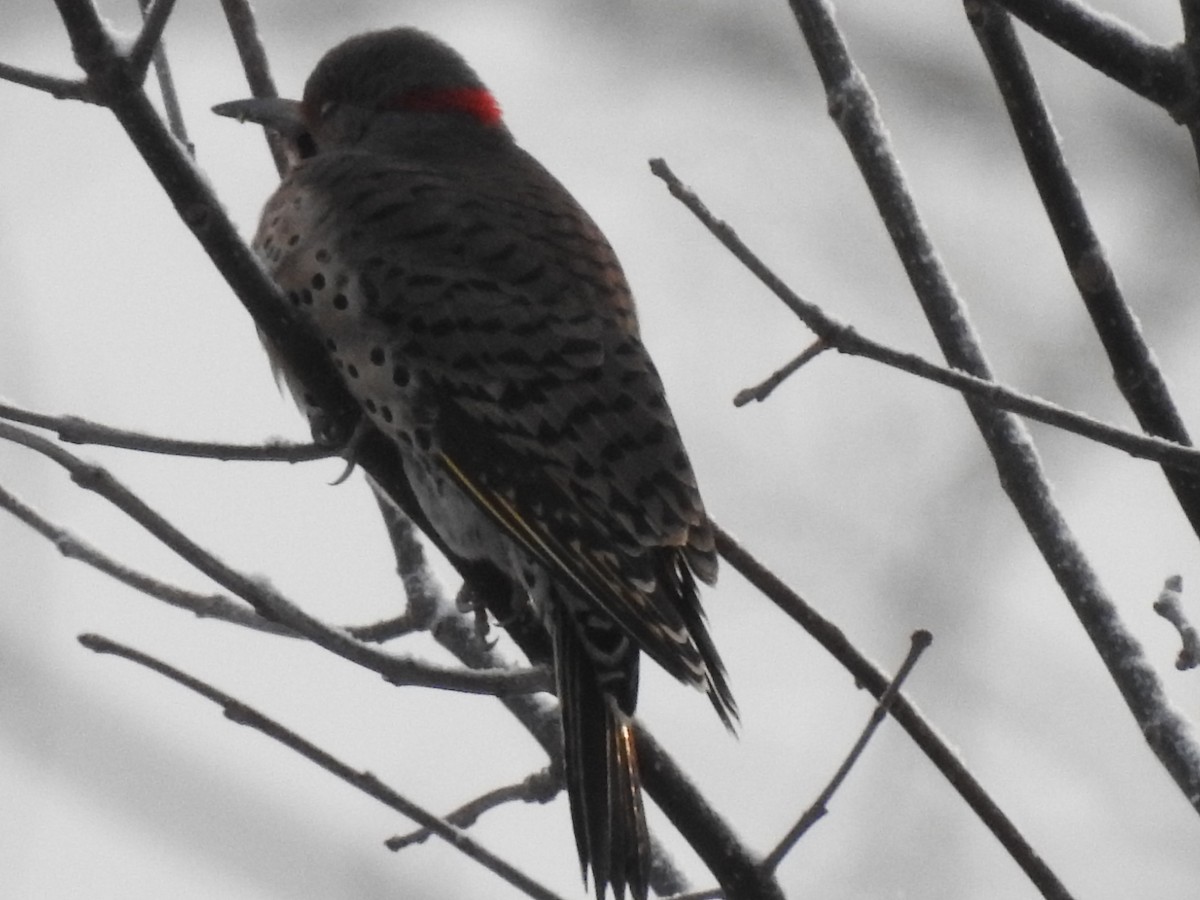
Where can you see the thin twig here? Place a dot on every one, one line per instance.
(846, 339)
(58, 88)
(540, 787)
(1135, 369)
(202, 212)
(265, 599)
(155, 14)
(203, 606)
(240, 713)
(910, 719)
(1169, 605)
(206, 606)
(152, 37)
(764, 389)
(1109, 45)
(1190, 51)
(920, 641)
(854, 108)
(76, 430)
(244, 28)
(426, 599)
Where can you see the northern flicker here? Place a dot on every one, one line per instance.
(482, 322)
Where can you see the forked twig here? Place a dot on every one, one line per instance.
(242, 714)
(920, 642)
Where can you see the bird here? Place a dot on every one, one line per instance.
(482, 323)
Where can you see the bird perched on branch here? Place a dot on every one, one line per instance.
(482, 323)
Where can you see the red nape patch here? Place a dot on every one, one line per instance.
(475, 101)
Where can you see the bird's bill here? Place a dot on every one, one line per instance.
(281, 116)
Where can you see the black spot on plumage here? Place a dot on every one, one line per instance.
(654, 435)
(400, 376)
(384, 212)
(645, 489)
(352, 371)
(443, 327)
(369, 289)
(616, 449)
(433, 229)
(515, 356)
(585, 411)
(623, 404)
(548, 434)
(490, 326)
(534, 274)
(501, 254)
(466, 362)
(331, 345)
(533, 326)
(318, 281)
(378, 356)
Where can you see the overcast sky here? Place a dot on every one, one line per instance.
(868, 491)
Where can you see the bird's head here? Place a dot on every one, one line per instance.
(381, 90)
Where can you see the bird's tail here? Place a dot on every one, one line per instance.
(597, 667)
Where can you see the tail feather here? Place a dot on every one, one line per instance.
(600, 754)
(682, 584)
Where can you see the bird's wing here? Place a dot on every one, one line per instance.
(503, 303)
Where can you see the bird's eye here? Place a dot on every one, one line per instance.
(327, 109)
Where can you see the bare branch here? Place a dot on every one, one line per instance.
(920, 641)
(76, 430)
(854, 108)
(269, 602)
(200, 210)
(1134, 367)
(205, 606)
(762, 391)
(540, 787)
(426, 599)
(58, 88)
(1109, 45)
(244, 29)
(240, 713)
(1169, 605)
(845, 339)
(922, 733)
(154, 21)
(151, 36)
